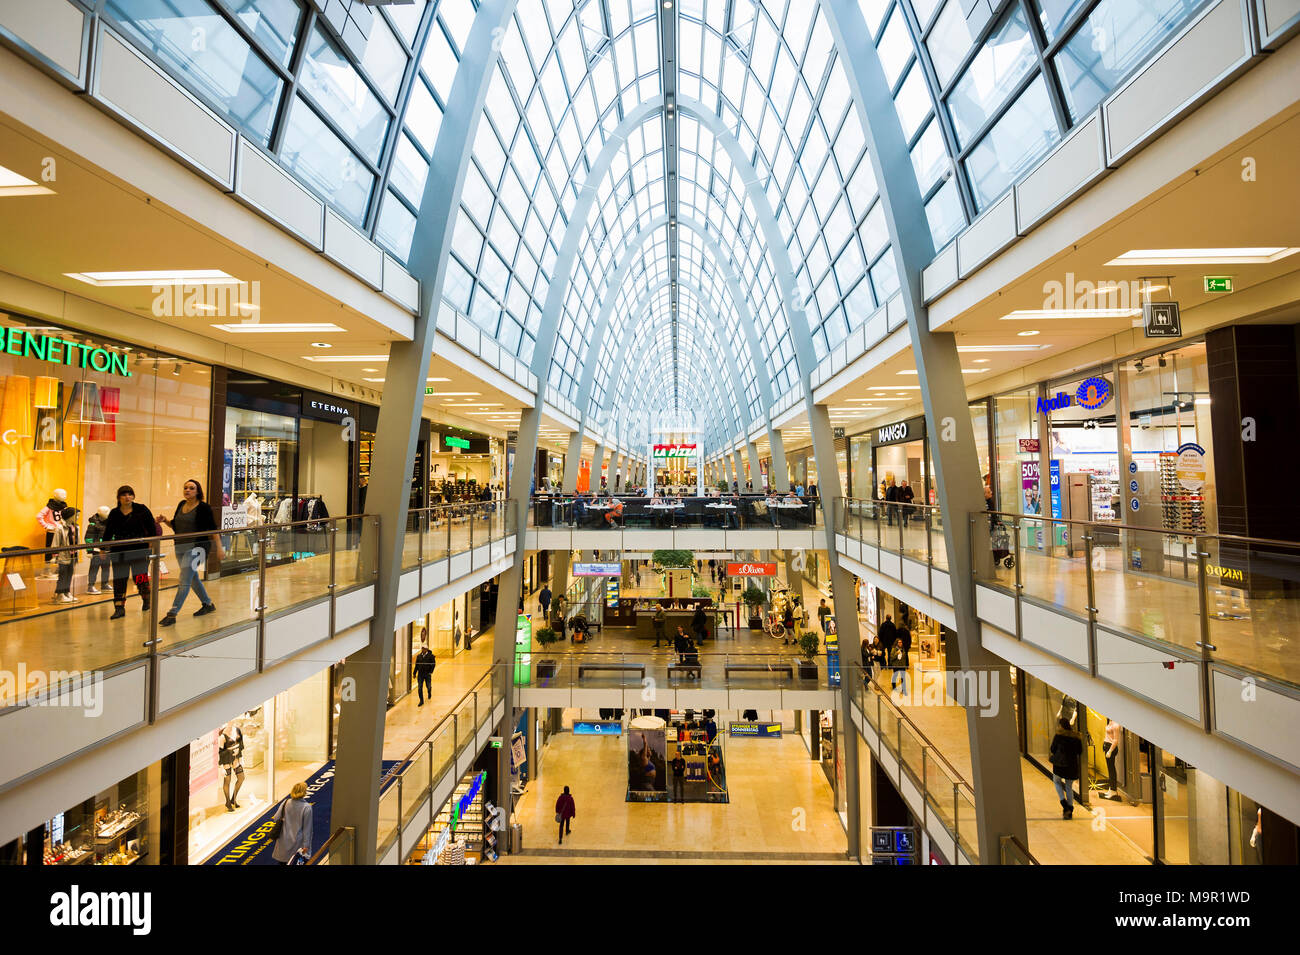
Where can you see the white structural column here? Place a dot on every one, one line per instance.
(754, 466)
(365, 675)
(994, 748)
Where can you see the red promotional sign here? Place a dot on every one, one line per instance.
(751, 570)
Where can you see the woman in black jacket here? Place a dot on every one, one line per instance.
(129, 521)
(193, 516)
(1066, 751)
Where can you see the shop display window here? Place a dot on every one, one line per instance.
(215, 780)
(1015, 419)
(79, 417)
(112, 828)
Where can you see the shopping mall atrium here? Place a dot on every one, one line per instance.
(800, 432)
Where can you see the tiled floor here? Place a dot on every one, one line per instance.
(780, 804)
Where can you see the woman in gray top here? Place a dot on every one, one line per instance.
(295, 835)
(193, 516)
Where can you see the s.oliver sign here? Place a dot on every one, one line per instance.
(751, 570)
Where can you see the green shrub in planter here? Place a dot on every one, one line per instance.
(546, 636)
(673, 558)
(808, 645)
(753, 597)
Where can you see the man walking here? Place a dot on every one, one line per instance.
(544, 600)
(564, 813)
(679, 777)
(425, 662)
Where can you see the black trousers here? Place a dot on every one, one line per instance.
(133, 564)
(424, 684)
(564, 828)
(679, 788)
(1110, 769)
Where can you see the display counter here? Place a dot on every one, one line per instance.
(636, 615)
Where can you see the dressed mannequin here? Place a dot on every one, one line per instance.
(1111, 750)
(48, 519)
(230, 754)
(100, 563)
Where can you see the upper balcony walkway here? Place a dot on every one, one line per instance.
(1202, 628)
(630, 522)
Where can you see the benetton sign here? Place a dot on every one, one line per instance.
(15, 341)
(751, 570)
(674, 450)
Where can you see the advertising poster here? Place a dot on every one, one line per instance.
(203, 763)
(647, 761)
(227, 477)
(1029, 488)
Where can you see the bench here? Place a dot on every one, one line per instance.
(689, 669)
(585, 668)
(783, 668)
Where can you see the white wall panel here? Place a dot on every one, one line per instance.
(400, 285)
(1278, 20)
(408, 586)
(997, 608)
(435, 575)
(35, 736)
(262, 185)
(1253, 715)
(941, 274)
(352, 250)
(988, 235)
(1062, 635)
(1189, 69)
(1158, 675)
(916, 575)
(460, 566)
(140, 93)
(54, 30)
(191, 672)
(353, 607)
(291, 632)
(1072, 166)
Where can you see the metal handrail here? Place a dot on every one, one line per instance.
(1139, 528)
(929, 743)
(428, 737)
(1011, 845)
(338, 835)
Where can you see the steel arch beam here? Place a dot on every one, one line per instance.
(995, 755)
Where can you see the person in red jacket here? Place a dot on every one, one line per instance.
(564, 812)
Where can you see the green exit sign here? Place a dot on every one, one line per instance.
(456, 443)
(428, 391)
(1218, 283)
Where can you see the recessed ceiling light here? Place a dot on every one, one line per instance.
(271, 328)
(321, 345)
(1038, 314)
(155, 277)
(982, 361)
(988, 349)
(371, 369)
(1222, 256)
(12, 184)
(899, 388)
(437, 379)
(377, 381)
(1028, 333)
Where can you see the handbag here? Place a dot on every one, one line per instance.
(277, 824)
(559, 818)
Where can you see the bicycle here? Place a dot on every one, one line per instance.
(774, 626)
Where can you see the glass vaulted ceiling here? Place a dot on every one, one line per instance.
(765, 128)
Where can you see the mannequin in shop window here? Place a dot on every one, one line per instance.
(1110, 749)
(230, 755)
(99, 560)
(48, 519)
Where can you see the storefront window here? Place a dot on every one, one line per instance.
(80, 417)
(860, 467)
(1173, 450)
(1015, 420)
(111, 828)
(215, 760)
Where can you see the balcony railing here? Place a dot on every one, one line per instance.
(625, 512)
(261, 573)
(1211, 598)
(405, 794)
(948, 798)
(443, 530)
(565, 669)
(1225, 599)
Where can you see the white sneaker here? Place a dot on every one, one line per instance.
(94, 590)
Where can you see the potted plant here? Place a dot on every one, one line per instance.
(808, 647)
(724, 487)
(754, 598)
(545, 637)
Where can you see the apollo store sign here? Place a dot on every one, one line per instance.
(1091, 394)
